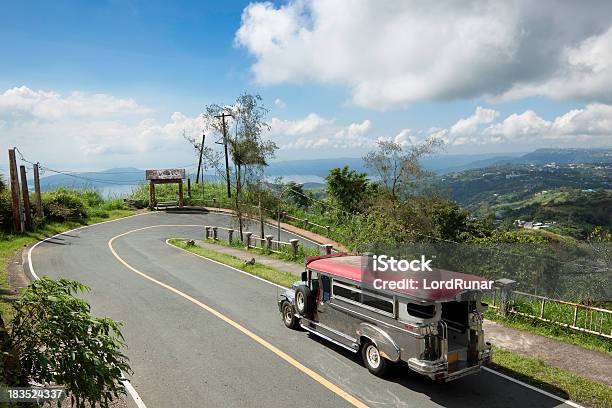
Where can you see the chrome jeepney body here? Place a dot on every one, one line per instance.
(440, 338)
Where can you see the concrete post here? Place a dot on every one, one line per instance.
(215, 236)
(207, 232)
(230, 235)
(506, 286)
(294, 246)
(328, 248)
(269, 242)
(248, 239)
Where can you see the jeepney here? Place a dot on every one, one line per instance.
(438, 333)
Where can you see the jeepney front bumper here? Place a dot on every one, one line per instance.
(441, 370)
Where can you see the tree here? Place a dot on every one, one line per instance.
(296, 193)
(398, 166)
(248, 150)
(347, 187)
(55, 340)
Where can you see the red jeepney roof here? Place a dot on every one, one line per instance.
(350, 267)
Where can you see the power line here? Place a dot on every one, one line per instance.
(80, 176)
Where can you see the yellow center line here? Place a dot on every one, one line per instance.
(312, 374)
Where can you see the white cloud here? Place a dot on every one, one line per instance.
(470, 124)
(314, 131)
(591, 124)
(81, 130)
(391, 54)
(23, 102)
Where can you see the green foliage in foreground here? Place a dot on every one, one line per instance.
(55, 340)
(265, 272)
(552, 379)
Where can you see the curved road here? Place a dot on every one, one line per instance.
(201, 334)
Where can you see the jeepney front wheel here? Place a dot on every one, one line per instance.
(288, 316)
(374, 362)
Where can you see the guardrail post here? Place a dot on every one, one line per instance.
(328, 229)
(269, 242)
(294, 246)
(230, 234)
(575, 316)
(542, 301)
(328, 248)
(306, 223)
(214, 202)
(506, 286)
(214, 233)
(207, 233)
(248, 239)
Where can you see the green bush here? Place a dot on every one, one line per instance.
(55, 340)
(62, 205)
(6, 211)
(92, 198)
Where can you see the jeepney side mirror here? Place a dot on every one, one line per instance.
(304, 276)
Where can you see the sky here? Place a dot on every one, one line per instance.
(96, 85)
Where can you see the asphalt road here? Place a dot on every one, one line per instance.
(182, 316)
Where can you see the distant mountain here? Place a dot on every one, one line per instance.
(566, 156)
(115, 176)
(440, 164)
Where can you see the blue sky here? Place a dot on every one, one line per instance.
(88, 85)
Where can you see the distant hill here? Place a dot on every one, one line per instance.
(566, 156)
(577, 196)
(440, 164)
(120, 176)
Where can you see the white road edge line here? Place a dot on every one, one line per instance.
(126, 383)
(531, 387)
(514, 380)
(135, 395)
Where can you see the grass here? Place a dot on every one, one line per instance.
(530, 370)
(11, 243)
(564, 334)
(552, 379)
(265, 272)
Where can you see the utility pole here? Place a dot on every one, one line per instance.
(15, 191)
(223, 115)
(39, 207)
(200, 162)
(25, 194)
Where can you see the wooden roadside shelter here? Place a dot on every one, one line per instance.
(165, 176)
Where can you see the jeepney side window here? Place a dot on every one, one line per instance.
(378, 301)
(345, 290)
(326, 287)
(314, 281)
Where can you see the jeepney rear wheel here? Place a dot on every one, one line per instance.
(288, 316)
(303, 300)
(374, 362)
